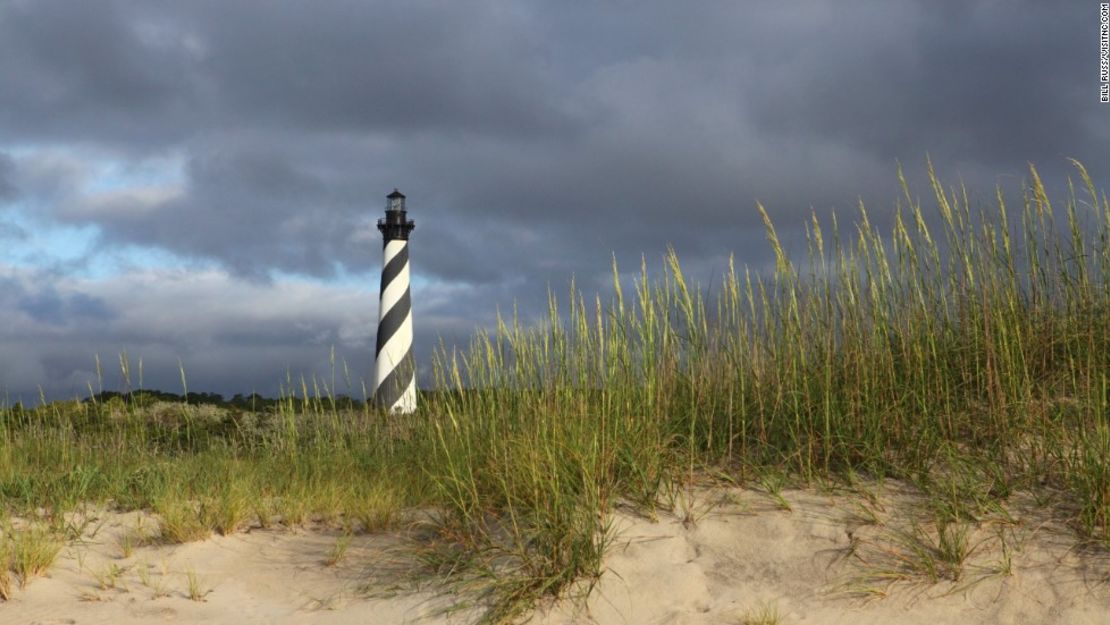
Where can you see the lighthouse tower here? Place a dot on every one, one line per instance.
(394, 369)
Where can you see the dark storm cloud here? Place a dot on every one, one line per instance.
(249, 208)
(992, 82)
(7, 173)
(535, 140)
(391, 66)
(565, 134)
(136, 73)
(46, 305)
(91, 71)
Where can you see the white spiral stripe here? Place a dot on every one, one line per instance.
(391, 250)
(394, 350)
(393, 292)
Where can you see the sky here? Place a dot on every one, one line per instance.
(196, 183)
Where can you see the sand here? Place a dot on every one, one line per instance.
(730, 556)
(743, 561)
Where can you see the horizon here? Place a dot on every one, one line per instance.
(197, 184)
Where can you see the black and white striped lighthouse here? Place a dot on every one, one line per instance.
(394, 367)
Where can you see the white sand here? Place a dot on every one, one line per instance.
(256, 577)
(740, 558)
(740, 561)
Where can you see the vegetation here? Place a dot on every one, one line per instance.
(974, 363)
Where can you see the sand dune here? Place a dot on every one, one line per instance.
(744, 561)
(726, 557)
(256, 577)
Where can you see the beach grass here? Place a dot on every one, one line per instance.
(970, 359)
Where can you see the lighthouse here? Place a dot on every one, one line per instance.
(394, 368)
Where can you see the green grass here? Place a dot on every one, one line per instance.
(971, 359)
(29, 552)
(194, 587)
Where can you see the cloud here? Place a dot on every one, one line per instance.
(10, 231)
(45, 305)
(85, 72)
(120, 71)
(231, 335)
(7, 185)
